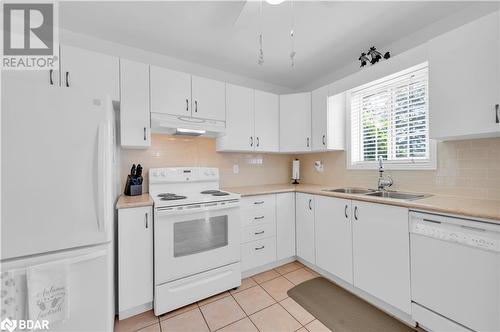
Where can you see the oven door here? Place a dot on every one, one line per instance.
(195, 238)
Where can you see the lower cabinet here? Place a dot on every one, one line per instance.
(381, 252)
(285, 225)
(304, 205)
(333, 229)
(135, 260)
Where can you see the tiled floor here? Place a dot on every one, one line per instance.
(261, 304)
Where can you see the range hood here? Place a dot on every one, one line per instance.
(186, 126)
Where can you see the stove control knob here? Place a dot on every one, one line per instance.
(163, 173)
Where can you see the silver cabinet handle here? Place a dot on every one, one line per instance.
(324, 139)
(146, 219)
(67, 79)
(50, 77)
(258, 142)
(345, 211)
(258, 233)
(259, 248)
(259, 217)
(187, 105)
(497, 116)
(145, 133)
(196, 106)
(356, 212)
(259, 202)
(251, 141)
(310, 203)
(307, 140)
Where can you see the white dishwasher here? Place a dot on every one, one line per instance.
(455, 273)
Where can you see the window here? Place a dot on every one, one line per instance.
(389, 119)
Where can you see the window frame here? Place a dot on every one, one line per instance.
(412, 164)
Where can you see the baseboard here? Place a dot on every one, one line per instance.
(135, 310)
(385, 307)
(262, 268)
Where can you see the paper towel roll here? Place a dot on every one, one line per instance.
(296, 170)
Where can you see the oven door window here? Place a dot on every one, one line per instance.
(199, 235)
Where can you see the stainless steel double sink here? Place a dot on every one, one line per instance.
(379, 193)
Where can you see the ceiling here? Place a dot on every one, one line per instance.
(328, 35)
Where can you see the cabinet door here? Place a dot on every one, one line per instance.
(134, 105)
(135, 257)
(208, 98)
(170, 91)
(305, 227)
(240, 120)
(333, 228)
(295, 122)
(464, 90)
(267, 121)
(319, 114)
(381, 252)
(285, 225)
(91, 73)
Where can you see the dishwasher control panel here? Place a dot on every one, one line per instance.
(467, 235)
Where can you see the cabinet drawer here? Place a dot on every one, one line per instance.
(260, 218)
(258, 232)
(257, 253)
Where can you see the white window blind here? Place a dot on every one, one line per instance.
(390, 119)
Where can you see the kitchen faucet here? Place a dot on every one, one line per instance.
(383, 182)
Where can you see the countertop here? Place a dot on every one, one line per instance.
(461, 206)
(125, 202)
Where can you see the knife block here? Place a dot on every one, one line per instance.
(132, 189)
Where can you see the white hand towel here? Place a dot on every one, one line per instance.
(48, 292)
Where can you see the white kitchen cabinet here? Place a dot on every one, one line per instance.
(267, 121)
(295, 122)
(333, 230)
(464, 91)
(170, 91)
(94, 74)
(134, 105)
(285, 225)
(239, 121)
(135, 260)
(208, 98)
(304, 206)
(319, 114)
(381, 252)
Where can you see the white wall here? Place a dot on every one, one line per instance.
(408, 43)
(107, 47)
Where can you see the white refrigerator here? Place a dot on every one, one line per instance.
(58, 156)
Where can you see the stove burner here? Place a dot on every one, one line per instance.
(220, 193)
(172, 197)
(210, 192)
(166, 194)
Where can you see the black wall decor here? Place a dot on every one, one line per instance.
(372, 56)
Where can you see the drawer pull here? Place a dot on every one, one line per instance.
(258, 233)
(260, 248)
(259, 202)
(259, 217)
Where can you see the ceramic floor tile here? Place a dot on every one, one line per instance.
(265, 276)
(299, 276)
(187, 322)
(245, 284)
(302, 329)
(179, 311)
(274, 318)
(297, 311)
(213, 298)
(316, 274)
(136, 322)
(254, 299)
(283, 269)
(222, 312)
(244, 325)
(277, 288)
(317, 326)
(151, 328)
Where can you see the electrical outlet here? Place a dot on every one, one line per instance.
(236, 168)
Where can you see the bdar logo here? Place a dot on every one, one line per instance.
(8, 325)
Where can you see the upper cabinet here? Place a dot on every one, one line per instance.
(319, 107)
(464, 91)
(252, 122)
(295, 122)
(134, 105)
(170, 91)
(208, 98)
(267, 121)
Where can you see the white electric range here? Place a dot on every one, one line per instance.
(196, 236)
